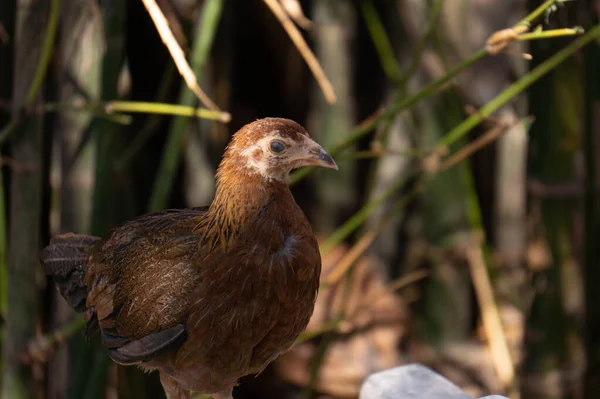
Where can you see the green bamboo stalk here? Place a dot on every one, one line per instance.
(206, 28)
(556, 103)
(335, 192)
(446, 299)
(461, 130)
(90, 367)
(32, 54)
(22, 261)
(106, 134)
(74, 160)
(395, 132)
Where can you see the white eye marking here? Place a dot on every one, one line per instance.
(261, 164)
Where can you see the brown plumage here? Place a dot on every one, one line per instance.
(205, 295)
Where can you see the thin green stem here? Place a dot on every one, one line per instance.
(546, 34)
(359, 217)
(47, 49)
(113, 108)
(420, 47)
(42, 68)
(161, 108)
(537, 12)
(96, 109)
(7, 130)
(150, 126)
(381, 41)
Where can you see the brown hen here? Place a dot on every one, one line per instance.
(205, 295)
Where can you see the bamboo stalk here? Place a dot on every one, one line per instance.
(71, 176)
(91, 366)
(490, 315)
(557, 311)
(32, 55)
(304, 50)
(335, 192)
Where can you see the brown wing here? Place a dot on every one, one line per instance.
(140, 279)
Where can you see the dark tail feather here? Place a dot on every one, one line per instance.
(65, 258)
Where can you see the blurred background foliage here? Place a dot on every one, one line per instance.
(460, 232)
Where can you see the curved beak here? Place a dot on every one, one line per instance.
(315, 155)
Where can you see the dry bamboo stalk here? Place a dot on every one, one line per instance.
(162, 26)
(303, 48)
(490, 316)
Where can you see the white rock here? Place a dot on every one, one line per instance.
(412, 381)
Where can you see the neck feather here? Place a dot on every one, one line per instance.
(240, 196)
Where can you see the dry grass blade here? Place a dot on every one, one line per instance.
(294, 10)
(303, 48)
(490, 316)
(396, 285)
(487, 138)
(178, 56)
(352, 256)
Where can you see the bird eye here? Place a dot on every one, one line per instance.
(277, 147)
